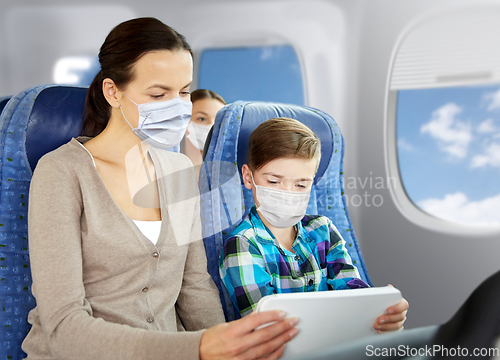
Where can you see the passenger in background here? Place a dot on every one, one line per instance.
(206, 104)
(105, 286)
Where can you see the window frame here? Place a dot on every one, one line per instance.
(402, 201)
(243, 40)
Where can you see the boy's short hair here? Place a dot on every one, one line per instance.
(282, 138)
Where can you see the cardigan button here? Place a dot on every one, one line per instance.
(155, 254)
(150, 319)
(145, 290)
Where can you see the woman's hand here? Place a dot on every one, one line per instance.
(241, 339)
(394, 318)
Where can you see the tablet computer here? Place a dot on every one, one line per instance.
(327, 318)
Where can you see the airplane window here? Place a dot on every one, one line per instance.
(443, 121)
(448, 146)
(76, 70)
(265, 73)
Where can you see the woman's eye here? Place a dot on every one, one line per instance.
(272, 182)
(157, 96)
(301, 186)
(185, 93)
(201, 119)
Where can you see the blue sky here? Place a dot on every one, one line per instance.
(449, 151)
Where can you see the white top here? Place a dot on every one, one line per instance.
(150, 229)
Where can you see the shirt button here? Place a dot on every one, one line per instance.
(145, 289)
(155, 254)
(297, 258)
(311, 282)
(150, 319)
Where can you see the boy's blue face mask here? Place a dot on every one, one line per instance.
(162, 124)
(281, 208)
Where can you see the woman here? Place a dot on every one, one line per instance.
(206, 104)
(118, 268)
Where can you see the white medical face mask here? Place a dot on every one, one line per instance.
(280, 207)
(162, 124)
(197, 134)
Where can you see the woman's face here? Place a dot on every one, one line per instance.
(158, 76)
(204, 111)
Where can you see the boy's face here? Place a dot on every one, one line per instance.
(290, 174)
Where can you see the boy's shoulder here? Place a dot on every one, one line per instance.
(320, 228)
(314, 222)
(243, 230)
(242, 239)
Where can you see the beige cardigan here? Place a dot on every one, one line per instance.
(103, 289)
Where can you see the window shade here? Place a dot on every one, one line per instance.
(452, 49)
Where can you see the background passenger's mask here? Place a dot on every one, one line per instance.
(280, 207)
(162, 124)
(197, 134)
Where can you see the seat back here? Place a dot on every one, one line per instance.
(224, 199)
(33, 122)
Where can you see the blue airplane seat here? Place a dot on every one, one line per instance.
(35, 121)
(224, 199)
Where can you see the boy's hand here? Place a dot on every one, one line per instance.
(394, 318)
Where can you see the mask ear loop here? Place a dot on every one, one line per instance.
(256, 190)
(124, 114)
(251, 174)
(125, 118)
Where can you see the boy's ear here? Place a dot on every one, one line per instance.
(247, 177)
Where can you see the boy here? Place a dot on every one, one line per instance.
(277, 248)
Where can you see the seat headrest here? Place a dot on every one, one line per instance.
(256, 113)
(56, 117)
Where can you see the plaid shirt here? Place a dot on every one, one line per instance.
(253, 264)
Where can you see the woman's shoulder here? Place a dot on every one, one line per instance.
(62, 171)
(66, 156)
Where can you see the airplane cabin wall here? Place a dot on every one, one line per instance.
(436, 270)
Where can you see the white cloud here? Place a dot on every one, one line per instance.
(487, 126)
(403, 144)
(493, 100)
(267, 53)
(457, 208)
(491, 157)
(453, 136)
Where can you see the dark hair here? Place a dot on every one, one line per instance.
(282, 138)
(206, 94)
(124, 45)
